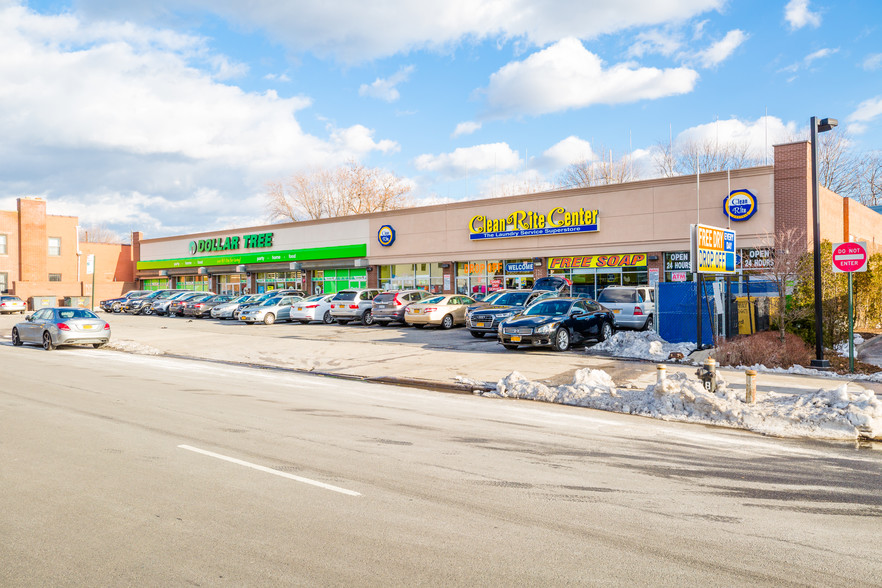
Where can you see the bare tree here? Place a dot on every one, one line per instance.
(98, 234)
(839, 168)
(348, 189)
(870, 184)
(788, 248)
(525, 186)
(708, 155)
(598, 172)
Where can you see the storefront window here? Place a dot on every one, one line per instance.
(199, 283)
(331, 281)
(590, 281)
(268, 281)
(154, 284)
(231, 284)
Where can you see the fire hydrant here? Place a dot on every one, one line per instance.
(707, 373)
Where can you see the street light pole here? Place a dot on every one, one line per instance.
(818, 127)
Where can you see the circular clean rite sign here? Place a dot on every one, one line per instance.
(740, 205)
(386, 235)
(850, 257)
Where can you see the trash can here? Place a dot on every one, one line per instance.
(77, 301)
(38, 302)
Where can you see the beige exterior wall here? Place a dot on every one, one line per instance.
(639, 217)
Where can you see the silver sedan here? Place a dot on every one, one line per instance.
(270, 310)
(51, 327)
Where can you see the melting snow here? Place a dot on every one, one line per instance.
(642, 345)
(824, 414)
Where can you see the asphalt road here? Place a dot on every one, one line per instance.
(129, 470)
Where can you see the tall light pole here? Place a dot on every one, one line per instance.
(825, 124)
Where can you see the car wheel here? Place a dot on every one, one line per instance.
(367, 319)
(606, 331)
(447, 321)
(47, 341)
(269, 319)
(477, 334)
(116, 308)
(327, 318)
(561, 340)
(16, 340)
(648, 325)
(509, 347)
(148, 310)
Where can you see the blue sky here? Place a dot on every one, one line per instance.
(170, 117)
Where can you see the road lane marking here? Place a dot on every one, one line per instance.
(271, 471)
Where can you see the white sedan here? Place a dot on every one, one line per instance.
(314, 308)
(270, 310)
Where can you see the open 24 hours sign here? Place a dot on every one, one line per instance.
(713, 250)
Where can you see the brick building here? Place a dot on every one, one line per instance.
(40, 255)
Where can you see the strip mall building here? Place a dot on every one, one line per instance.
(633, 233)
(625, 234)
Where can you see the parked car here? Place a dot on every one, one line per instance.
(200, 307)
(446, 310)
(143, 304)
(633, 306)
(51, 327)
(177, 305)
(557, 323)
(389, 306)
(12, 304)
(562, 286)
(354, 305)
(314, 308)
(160, 306)
(276, 308)
(116, 304)
(256, 299)
(225, 310)
(482, 320)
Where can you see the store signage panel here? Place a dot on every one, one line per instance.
(757, 258)
(598, 261)
(713, 250)
(740, 205)
(524, 266)
(386, 235)
(678, 261)
(338, 252)
(526, 223)
(232, 243)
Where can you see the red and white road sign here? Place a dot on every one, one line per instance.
(850, 257)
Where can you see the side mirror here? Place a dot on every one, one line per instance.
(29, 317)
(578, 313)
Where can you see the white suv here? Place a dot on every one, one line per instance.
(633, 306)
(354, 305)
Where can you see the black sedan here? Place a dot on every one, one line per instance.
(557, 323)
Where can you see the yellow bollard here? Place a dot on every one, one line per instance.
(750, 387)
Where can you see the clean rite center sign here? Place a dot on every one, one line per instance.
(527, 223)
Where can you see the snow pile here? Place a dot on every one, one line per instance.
(842, 348)
(825, 414)
(804, 371)
(642, 345)
(131, 347)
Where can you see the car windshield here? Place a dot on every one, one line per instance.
(555, 307)
(620, 295)
(315, 298)
(271, 301)
(74, 313)
(347, 295)
(512, 298)
(433, 300)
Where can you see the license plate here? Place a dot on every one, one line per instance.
(87, 326)
(299, 309)
(616, 310)
(515, 338)
(241, 318)
(480, 324)
(416, 310)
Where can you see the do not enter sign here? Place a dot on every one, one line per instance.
(850, 257)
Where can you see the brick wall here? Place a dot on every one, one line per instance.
(33, 242)
(793, 189)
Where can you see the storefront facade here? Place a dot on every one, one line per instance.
(625, 234)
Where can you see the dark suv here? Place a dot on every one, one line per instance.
(389, 307)
(485, 319)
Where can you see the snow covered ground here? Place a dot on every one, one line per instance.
(834, 414)
(641, 345)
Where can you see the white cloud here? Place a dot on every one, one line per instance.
(479, 158)
(722, 49)
(866, 112)
(758, 136)
(277, 77)
(657, 41)
(798, 15)
(819, 54)
(566, 76)
(354, 30)
(872, 62)
(570, 150)
(385, 89)
(113, 113)
(466, 128)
